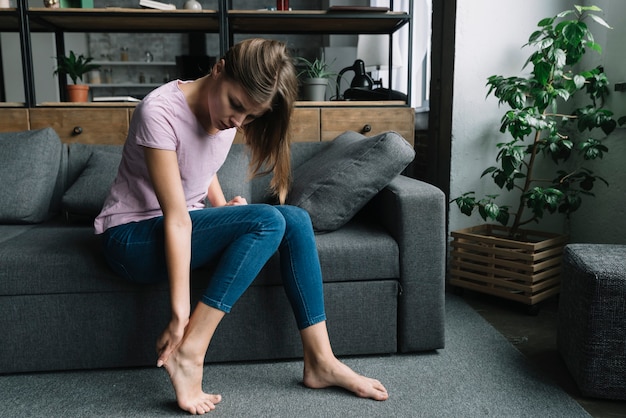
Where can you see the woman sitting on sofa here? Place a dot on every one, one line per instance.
(155, 227)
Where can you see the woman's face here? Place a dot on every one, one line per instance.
(229, 104)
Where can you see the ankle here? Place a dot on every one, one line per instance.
(190, 354)
(320, 362)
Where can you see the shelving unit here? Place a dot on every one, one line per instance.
(134, 63)
(314, 21)
(226, 22)
(124, 85)
(116, 19)
(9, 20)
(129, 84)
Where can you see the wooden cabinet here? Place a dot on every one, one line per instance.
(13, 120)
(310, 124)
(367, 121)
(87, 126)
(109, 125)
(304, 127)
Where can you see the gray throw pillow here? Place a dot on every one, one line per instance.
(84, 199)
(29, 165)
(338, 181)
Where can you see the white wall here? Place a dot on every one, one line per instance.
(603, 219)
(43, 44)
(46, 86)
(489, 37)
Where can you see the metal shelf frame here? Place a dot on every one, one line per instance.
(225, 22)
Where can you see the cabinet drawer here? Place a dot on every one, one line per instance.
(87, 126)
(304, 126)
(13, 120)
(368, 121)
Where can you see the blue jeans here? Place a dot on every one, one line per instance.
(240, 239)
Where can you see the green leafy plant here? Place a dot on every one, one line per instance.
(74, 66)
(315, 69)
(538, 127)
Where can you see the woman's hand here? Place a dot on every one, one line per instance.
(169, 339)
(236, 201)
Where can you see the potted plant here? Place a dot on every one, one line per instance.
(541, 132)
(314, 79)
(75, 67)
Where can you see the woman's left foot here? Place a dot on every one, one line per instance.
(335, 373)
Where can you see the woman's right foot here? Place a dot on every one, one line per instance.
(332, 372)
(186, 377)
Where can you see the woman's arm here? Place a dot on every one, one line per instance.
(165, 175)
(216, 195)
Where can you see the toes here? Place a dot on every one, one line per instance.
(208, 407)
(373, 389)
(201, 409)
(381, 395)
(207, 404)
(378, 386)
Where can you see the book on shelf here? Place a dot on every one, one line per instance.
(152, 4)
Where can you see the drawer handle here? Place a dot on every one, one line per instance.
(77, 130)
(367, 128)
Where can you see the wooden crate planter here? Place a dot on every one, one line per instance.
(526, 270)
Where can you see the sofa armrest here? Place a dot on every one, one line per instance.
(414, 213)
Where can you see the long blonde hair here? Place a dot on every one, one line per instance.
(266, 72)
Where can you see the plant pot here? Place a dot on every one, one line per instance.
(77, 93)
(526, 269)
(314, 89)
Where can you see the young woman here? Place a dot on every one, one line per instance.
(154, 225)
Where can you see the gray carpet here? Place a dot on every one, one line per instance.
(478, 374)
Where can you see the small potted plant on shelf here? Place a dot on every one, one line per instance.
(509, 261)
(314, 79)
(75, 67)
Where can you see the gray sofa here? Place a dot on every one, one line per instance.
(591, 332)
(62, 308)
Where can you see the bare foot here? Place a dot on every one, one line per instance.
(335, 373)
(186, 377)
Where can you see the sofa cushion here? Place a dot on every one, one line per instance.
(234, 173)
(338, 181)
(55, 257)
(29, 165)
(301, 152)
(346, 255)
(70, 260)
(84, 199)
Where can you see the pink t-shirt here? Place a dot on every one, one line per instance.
(163, 120)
